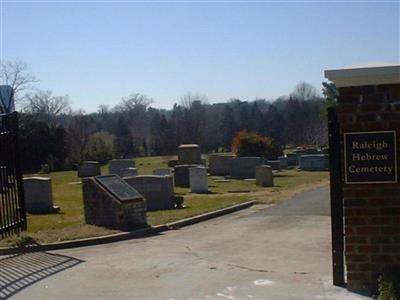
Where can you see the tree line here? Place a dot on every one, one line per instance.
(51, 132)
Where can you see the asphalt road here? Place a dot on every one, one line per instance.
(278, 252)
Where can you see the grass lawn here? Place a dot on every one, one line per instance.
(67, 192)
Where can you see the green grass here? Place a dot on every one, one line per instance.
(69, 222)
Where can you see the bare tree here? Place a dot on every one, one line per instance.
(134, 101)
(188, 99)
(17, 75)
(304, 91)
(44, 104)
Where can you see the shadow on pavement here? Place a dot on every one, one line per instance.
(22, 270)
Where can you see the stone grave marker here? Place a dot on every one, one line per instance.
(275, 164)
(198, 180)
(109, 201)
(129, 172)
(39, 195)
(162, 172)
(220, 164)
(181, 175)
(264, 176)
(189, 154)
(89, 169)
(245, 167)
(293, 159)
(283, 161)
(157, 190)
(314, 162)
(117, 166)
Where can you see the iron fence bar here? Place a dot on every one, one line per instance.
(336, 198)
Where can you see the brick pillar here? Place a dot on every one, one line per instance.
(369, 100)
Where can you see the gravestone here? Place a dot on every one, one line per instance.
(275, 164)
(264, 176)
(116, 166)
(162, 172)
(314, 162)
(109, 201)
(181, 175)
(198, 180)
(293, 159)
(245, 167)
(157, 190)
(89, 169)
(312, 151)
(128, 172)
(283, 162)
(189, 154)
(220, 164)
(39, 195)
(172, 163)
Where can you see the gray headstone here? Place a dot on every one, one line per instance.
(116, 166)
(198, 180)
(293, 159)
(283, 161)
(275, 164)
(157, 190)
(39, 195)
(128, 172)
(220, 164)
(189, 154)
(314, 162)
(245, 167)
(89, 169)
(264, 176)
(181, 175)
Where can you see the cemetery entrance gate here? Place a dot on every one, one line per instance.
(335, 167)
(12, 205)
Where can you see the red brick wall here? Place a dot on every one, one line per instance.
(372, 211)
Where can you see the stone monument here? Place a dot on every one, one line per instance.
(39, 195)
(275, 164)
(157, 190)
(89, 169)
(117, 166)
(110, 202)
(181, 175)
(189, 154)
(245, 167)
(293, 159)
(198, 180)
(128, 172)
(220, 164)
(162, 172)
(283, 162)
(314, 162)
(264, 176)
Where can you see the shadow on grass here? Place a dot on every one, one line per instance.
(283, 175)
(20, 271)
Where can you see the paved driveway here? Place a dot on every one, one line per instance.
(278, 252)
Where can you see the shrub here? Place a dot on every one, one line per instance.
(389, 285)
(253, 144)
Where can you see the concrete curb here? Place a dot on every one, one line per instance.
(143, 232)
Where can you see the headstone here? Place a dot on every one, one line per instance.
(109, 201)
(129, 172)
(293, 159)
(162, 172)
(275, 164)
(310, 151)
(314, 162)
(181, 175)
(245, 167)
(189, 154)
(283, 161)
(157, 190)
(220, 164)
(117, 166)
(89, 169)
(44, 168)
(198, 180)
(264, 176)
(39, 195)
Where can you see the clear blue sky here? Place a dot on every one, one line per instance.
(99, 52)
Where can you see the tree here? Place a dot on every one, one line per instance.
(46, 106)
(100, 147)
(304, 91)
(17, 75)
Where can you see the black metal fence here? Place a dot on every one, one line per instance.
(12, 205)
